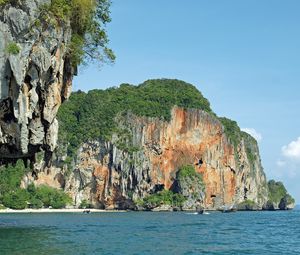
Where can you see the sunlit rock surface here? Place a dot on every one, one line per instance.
(110, 177)
(34, 81)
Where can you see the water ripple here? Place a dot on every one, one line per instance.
(151, 233)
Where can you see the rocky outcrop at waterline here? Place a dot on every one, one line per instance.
(278, 197)
(35, 78)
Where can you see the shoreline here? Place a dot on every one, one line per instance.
(65, 210)
(47, 210)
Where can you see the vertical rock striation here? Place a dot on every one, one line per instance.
(113, 174)
(35, 78)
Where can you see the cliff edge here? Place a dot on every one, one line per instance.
(35, 78)
(42, 43)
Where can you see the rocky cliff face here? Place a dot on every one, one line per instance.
(145, 156)
(35, 78)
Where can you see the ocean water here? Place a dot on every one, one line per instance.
(151, 233)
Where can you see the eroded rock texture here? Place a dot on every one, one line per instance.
(147, 157)
(34, 81)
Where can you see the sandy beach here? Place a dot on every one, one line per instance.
(47, 210)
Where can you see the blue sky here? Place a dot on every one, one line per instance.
(244, 56)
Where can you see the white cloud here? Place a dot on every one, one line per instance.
(280, 163)
(292, 150)
(253, 133)
(288, 166)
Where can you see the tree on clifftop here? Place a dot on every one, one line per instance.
(88, 19)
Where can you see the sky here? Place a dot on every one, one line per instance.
(244, 56)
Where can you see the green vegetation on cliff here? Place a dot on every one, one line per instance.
(92, 115)
(232, 130)
(190, 184)
(165, 197)
(12, 196)
(87, 19)
(11, 176)
(189, 172)
(235, 135)
(277, 192)
(2, 2)
(188, 188)
(12, 48)
(85, 204)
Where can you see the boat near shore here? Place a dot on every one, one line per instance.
(228, 209)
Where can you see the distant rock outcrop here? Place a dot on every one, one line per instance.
(35, 78)
(278, 198)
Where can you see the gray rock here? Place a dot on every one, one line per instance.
(18, 20)
(163, 208)
(31, 81)
(286, 203)
(193, 189)
(37, 132)
(52, 135)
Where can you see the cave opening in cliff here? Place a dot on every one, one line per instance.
(7, 111)
(158, 188)
(4, 89)
(200, 162)
(27, 79)
(245, 193)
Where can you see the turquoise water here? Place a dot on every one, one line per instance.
(151, 233)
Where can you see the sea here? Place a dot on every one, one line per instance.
(150, 233)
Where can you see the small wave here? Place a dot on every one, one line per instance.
(195, 213)
(7, 224)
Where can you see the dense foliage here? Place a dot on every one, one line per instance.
(2, 2)
(10, 177)
(165, 197)
(92, 115)
(50, 197)
(188, 172)
(277, 191)
(39, 197)
(232, 130)
(85, 204)
(12, 196)
(88, 19)
(16, 199)
(235, 135)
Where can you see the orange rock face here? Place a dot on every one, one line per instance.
(110, 177)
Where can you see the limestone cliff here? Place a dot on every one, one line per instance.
(147, 155)
(35, 78)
